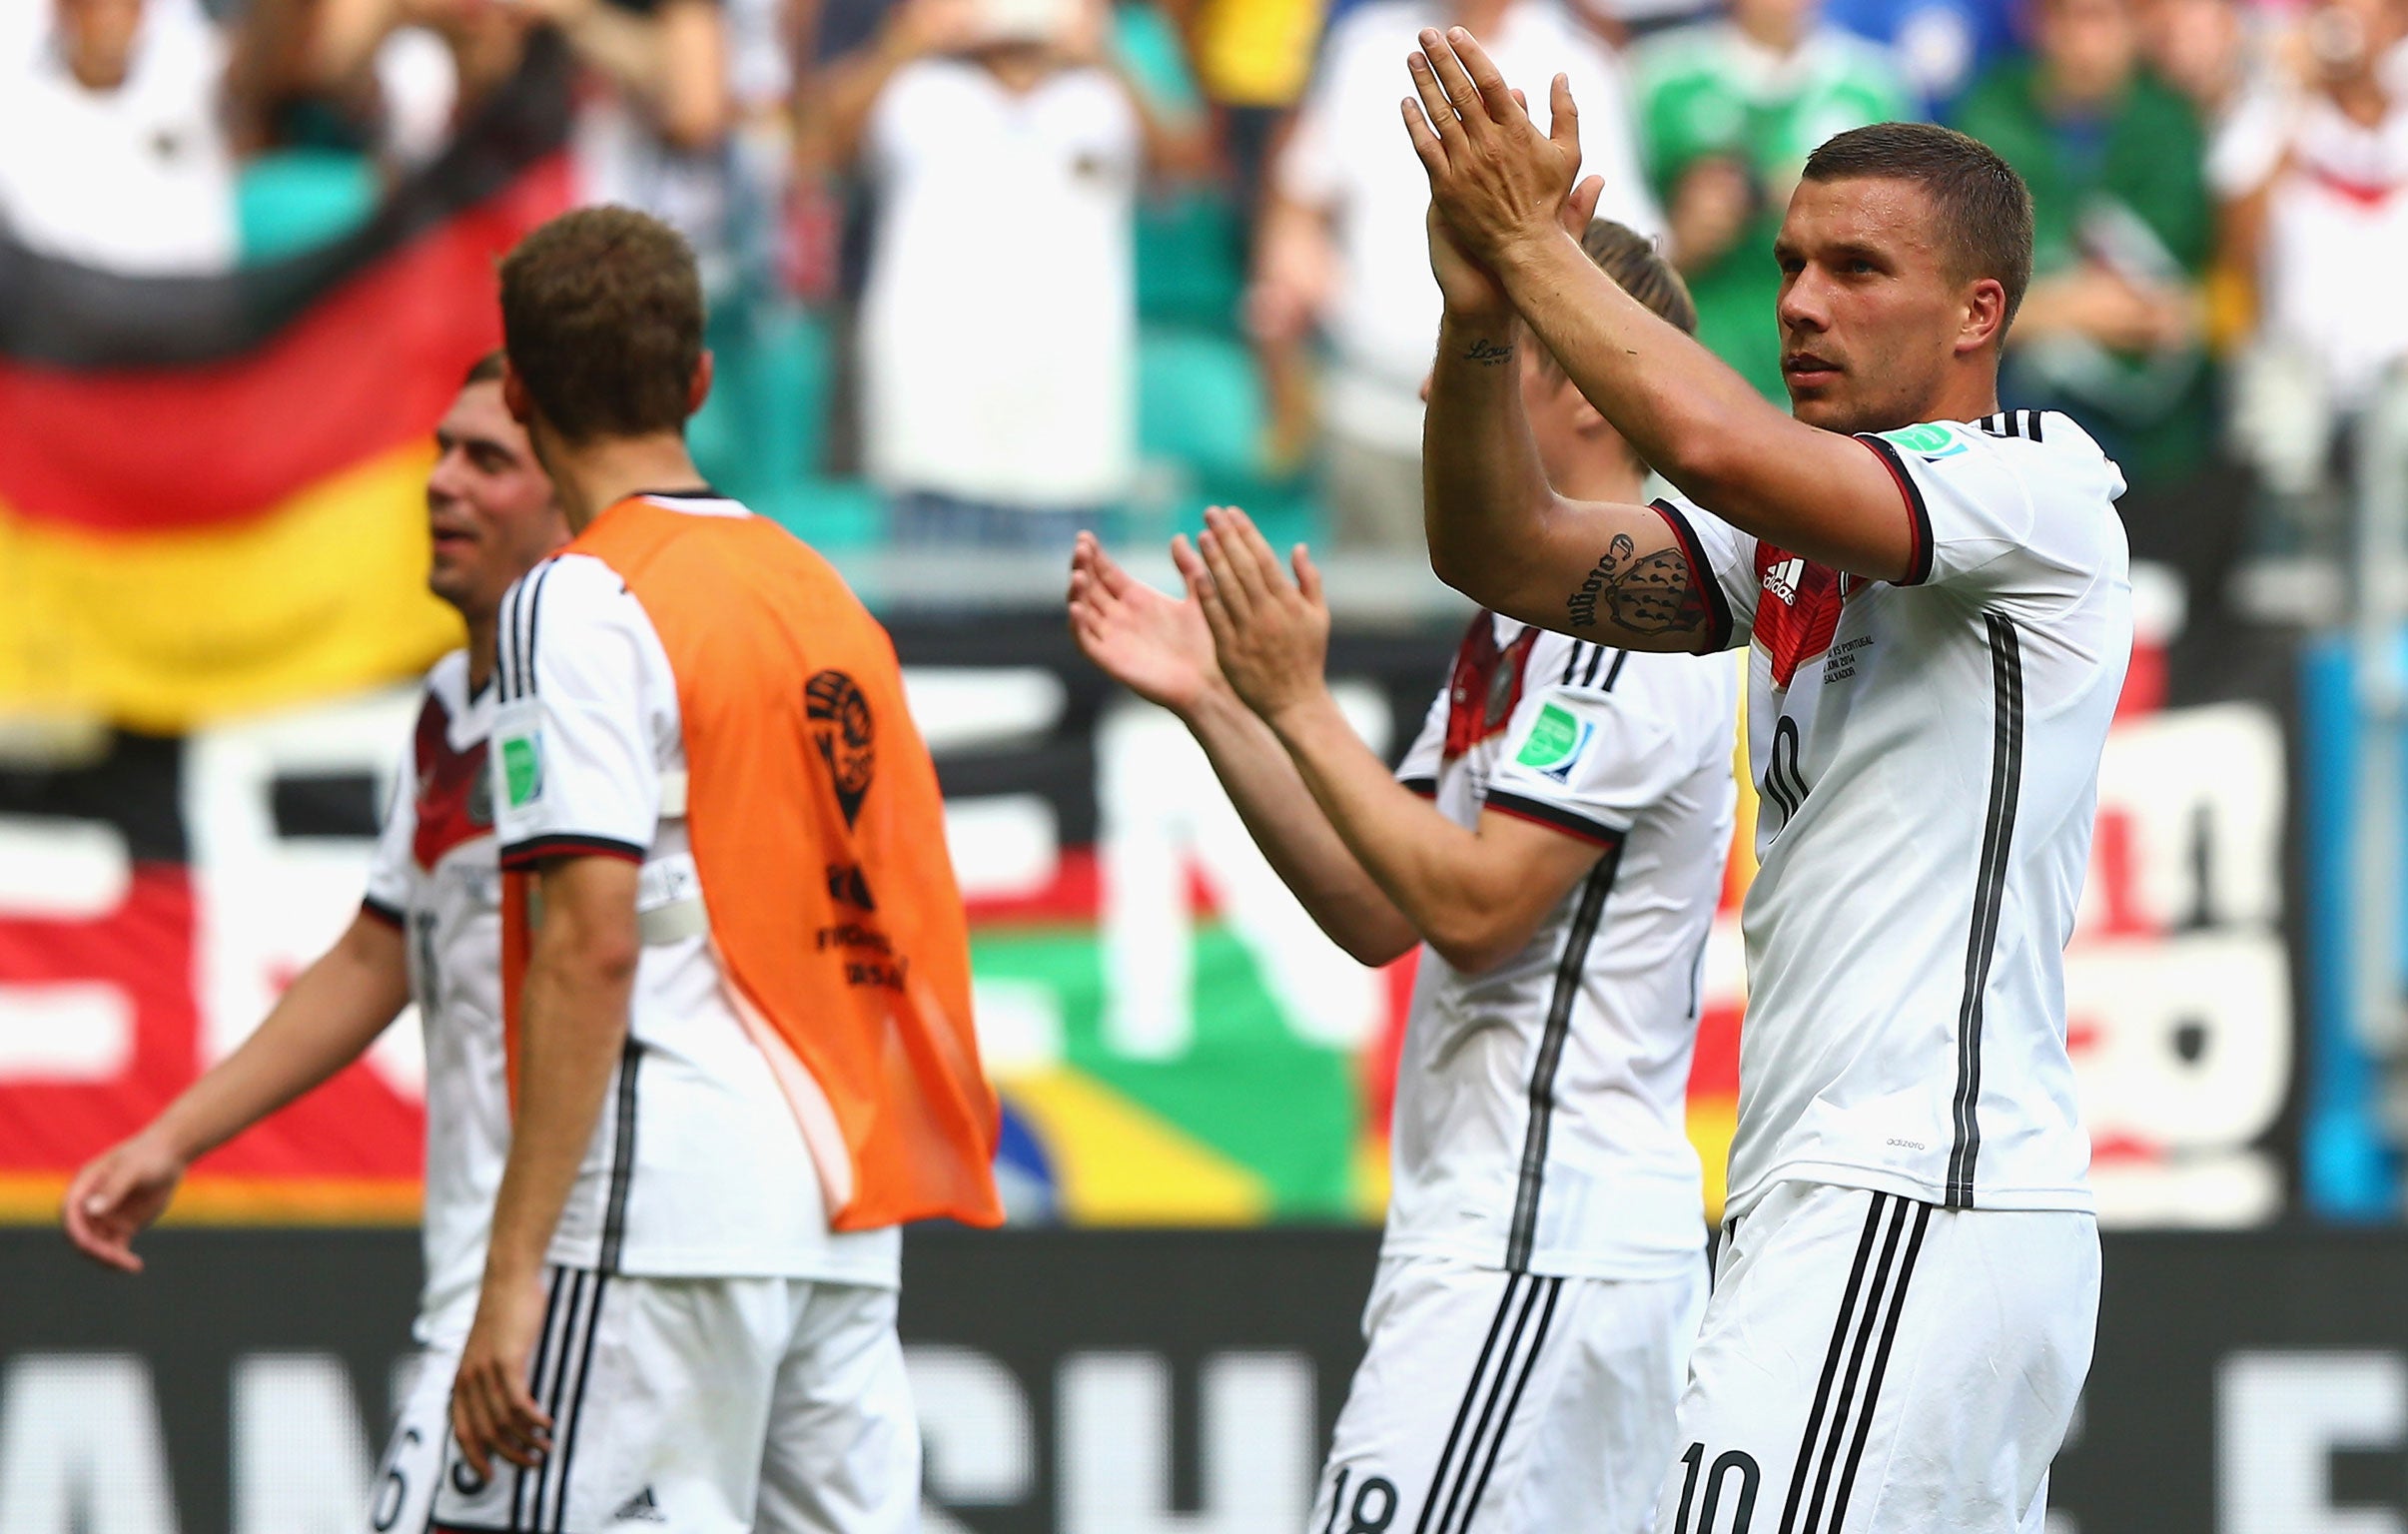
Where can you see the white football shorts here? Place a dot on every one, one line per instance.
(402, 1497)
(1871, 1365)
(1496, 1402)
(710, 1405)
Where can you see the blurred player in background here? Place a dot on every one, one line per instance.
(1941, 614)
(1555, 837)
(735, 970)
(429, 930)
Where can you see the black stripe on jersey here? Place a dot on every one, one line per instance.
(535, 1376)
(1471, 1392)
(2032, 424)
(1554, 816)
(377, 910)
(525, 855)
(1488, 1414)
(1614, 672)
(1843, 1413)
(1700, 575)
(1538, 1339)
(564, 1428)
(1989, 888)
(1921, 566)
(1427, 788)
(534, 629)
(1571, 663)
(622, 1158)
(1588, 678)
(1568, 971)
(519, 633)
(1830, 1365)
(1881, 1368)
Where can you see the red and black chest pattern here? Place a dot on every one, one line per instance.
(1798, 609)
(1486, 687)
(454, 796)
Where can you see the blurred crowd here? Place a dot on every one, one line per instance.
(987, 271)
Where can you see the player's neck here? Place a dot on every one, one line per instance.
(1611, 478)
(483, 646)
(592, 477)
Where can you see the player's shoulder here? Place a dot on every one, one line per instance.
(563, 588)
(1681, 693)
(2041, 453)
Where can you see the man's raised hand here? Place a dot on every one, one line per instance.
(1272, 634)
(1496, 180)
(1155, 647)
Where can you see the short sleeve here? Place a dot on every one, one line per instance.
(389, 876)
(2006, 512)
(1588, 760)
(1419, 769)
(1722, 565)
(575, 771)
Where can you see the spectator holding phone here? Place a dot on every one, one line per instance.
(1729, 109)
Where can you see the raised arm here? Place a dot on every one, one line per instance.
(1500, 533)
(1498, 184)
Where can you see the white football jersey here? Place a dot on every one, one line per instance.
(435, 877)
(1540, 1107)
(1928, 755)
(698, 1167)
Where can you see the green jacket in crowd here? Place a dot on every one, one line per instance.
(1710, 91)
(2129, 187)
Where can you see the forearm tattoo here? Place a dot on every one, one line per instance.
(1639, 593)
(1487, 353)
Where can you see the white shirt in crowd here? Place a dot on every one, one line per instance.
(999, 330)
(2336, 227)
(1348, 154)
(436, 877)
(697, 1167)
(139, 180)
(1539, 1122)
(1927, 756)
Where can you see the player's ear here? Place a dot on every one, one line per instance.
(700, 390)
(1985, 316)
(514, 396)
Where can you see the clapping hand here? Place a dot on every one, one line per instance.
(1495, 180)
(1155, 645)
(1271, 633)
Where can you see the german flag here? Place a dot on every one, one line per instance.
(212, 488)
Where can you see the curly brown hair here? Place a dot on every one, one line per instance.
(601, 315)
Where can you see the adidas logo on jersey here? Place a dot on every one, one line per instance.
(1782, 580)
(641, 1508)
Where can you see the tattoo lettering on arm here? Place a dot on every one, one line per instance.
(1649, 594)
(1487, 353)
